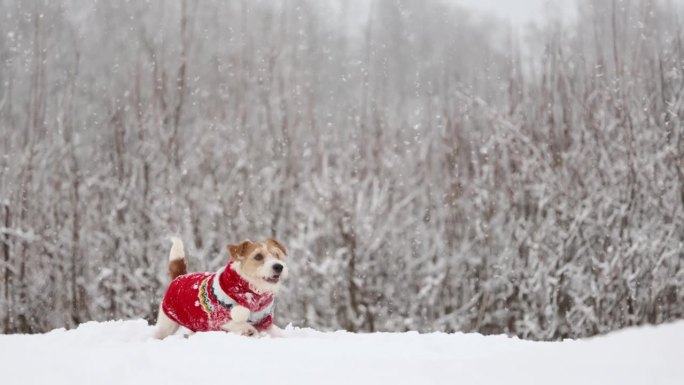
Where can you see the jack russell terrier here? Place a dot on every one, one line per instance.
(238, 298)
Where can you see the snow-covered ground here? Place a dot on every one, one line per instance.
(123, 352)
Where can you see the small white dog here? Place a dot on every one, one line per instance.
(238, 298)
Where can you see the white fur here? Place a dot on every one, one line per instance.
(266, 270)
(177, 251)
(165, 326)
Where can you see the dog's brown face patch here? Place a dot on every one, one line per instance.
(255, 259)
(248, 250)
(276, 247)
(241, 250)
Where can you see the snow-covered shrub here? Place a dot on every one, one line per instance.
(426, 170)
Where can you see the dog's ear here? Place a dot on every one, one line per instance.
(277, 245)
(241, 250)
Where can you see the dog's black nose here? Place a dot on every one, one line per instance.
(278, 268)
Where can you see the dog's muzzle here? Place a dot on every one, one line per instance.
(278, 269)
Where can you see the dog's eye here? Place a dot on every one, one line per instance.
(258, 257)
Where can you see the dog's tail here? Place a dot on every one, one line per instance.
(177, 265)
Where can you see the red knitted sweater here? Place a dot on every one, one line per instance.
(202, 301)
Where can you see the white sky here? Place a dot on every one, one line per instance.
(520, 12)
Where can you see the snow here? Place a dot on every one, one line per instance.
(123, 352)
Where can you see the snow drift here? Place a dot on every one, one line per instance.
(123, 352)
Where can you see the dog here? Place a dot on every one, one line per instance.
(238, 298)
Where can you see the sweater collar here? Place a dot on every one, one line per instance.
(233, 286)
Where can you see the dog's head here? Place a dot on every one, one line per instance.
(262, 264)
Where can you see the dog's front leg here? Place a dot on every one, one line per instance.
(238, 323)
(165, 326)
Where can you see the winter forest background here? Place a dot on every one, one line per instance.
(428, 169)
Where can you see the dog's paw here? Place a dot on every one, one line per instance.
(248, 331)
(241, 328)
